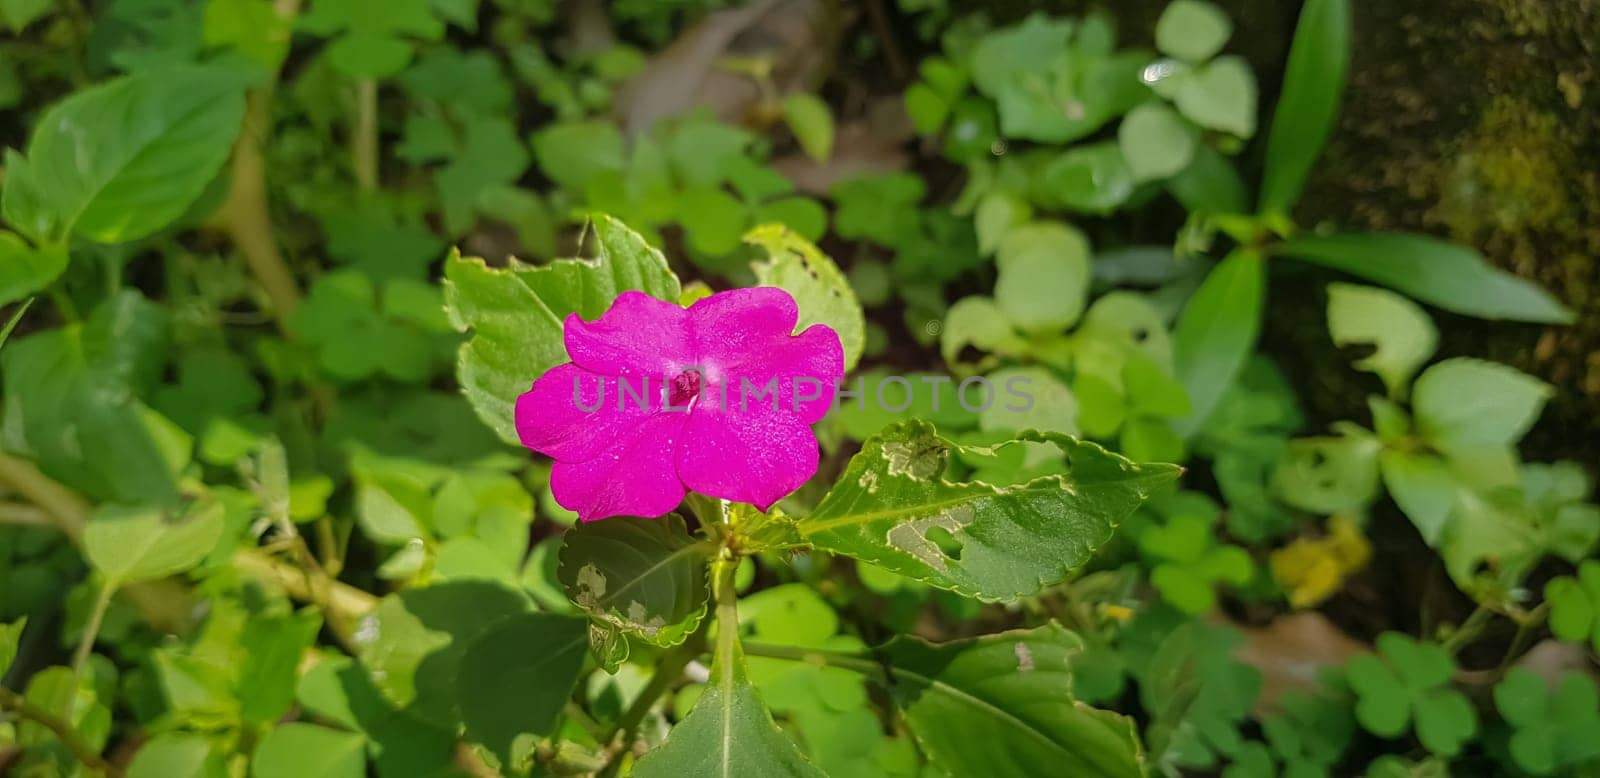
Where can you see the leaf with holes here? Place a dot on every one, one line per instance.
(891, 507)
(642, 576)
(515, 313)
(822, 293)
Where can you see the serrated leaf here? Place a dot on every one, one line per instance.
(728, 733)
(891, 507)
(1003, 705)
(1452, 277)
(644, 576)
(515, 313)
(823, 293)
(516, 675)
(130, 544)
(122, 160)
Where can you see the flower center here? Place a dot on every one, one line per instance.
(685, 387)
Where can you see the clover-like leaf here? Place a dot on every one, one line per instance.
(1044, 276)
(1575, 604)
(515, 313)
(1553, 730)
(643, 576)
(1408, 682)
(1190, 563)
(893, 508)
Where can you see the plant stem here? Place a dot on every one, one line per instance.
(668, 672)
(860, 664)
(364, 137)
(91, 629)
(1468, 629)
(63, 729)
(1525, 627)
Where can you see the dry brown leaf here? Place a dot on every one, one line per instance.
(788, 33)
(1291, 651)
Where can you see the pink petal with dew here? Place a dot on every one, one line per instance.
(728, 326)
(637, 336)
(553, 421)
(755, 455)
(806, 366)
(636, 477)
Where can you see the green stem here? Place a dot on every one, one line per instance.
(1525, 628)
(364, 138)
(63, 729)
(91, 630)
(1468, 630)
(668, 672)
(855, 663)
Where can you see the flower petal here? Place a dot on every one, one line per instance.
(754, 455)
(637, 477)
(637, 336)
(728, 326)
(807, 368)
(574, 415)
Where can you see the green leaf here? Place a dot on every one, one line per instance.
(122, 160)
(1210, 183)
(25, 270)
(812, 123)
(1329, 475)
(823, 293)
(892, 508)
(295, 750)
(516, 676)
(1575, 604)
(131, 544)
(643, 576)
(978, 322)
(573, 152)
(411, 643)
(10, 634)
(1442, 274)
(18, 14)
(1313, 79)
(1217, 331)
(1003, 705)
(515, 313)
(728, 733)
(1462, 405)
(1402, 335)
(1424, 487)
(1044, 276)
(1156, 141)
(1192, 30)
(177, 755)
(1405, 681)
(1093, 178)
(1220, 95)
(1551, 731)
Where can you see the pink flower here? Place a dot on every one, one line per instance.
(659, 400)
